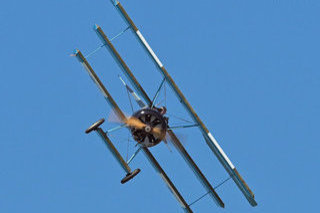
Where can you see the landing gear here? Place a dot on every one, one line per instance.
(114, 151)
(129, 176)
(95, 126)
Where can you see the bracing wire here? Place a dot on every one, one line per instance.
(217, 186)
(95, 50)
(128, 144)
(98, 48)
(179, 118)
(130, 101)
(165, 94)
(160, 102)
(165, 104)
(120, 138)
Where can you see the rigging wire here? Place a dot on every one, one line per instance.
(128, 144)
(177, 117)
(98, 48)
(95, 50)
(160, 102)
(120, 138)
(130, 100)
(217, 186)
(165, 93)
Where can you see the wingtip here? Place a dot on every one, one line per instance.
(95, 27)
(75, 52)
(253, 203)
(222, 205)
(78, 55)
(114, 2)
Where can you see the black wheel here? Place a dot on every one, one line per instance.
(95, 125)
(129, 176)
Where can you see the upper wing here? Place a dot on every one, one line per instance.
(211, 142)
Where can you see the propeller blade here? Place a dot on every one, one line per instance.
(181, 137)
(114, 118)
(135, 122)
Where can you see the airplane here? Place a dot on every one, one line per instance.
(149, 126)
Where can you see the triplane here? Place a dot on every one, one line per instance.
(150, 125)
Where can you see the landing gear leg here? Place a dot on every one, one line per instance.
(130, 175)
(114, 151)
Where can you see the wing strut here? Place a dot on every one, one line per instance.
(144, 95)
(135, 96)
(121, 116)
(210, 140)
(157, 93)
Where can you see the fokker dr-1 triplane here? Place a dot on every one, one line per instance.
(150, 125)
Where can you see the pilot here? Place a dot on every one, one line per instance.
(162, 110)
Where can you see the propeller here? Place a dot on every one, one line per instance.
(133, 122)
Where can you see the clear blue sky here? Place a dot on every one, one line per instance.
(250, 69)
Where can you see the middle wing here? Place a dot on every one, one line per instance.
(176, 141)
(210, 140)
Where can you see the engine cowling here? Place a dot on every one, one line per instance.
(155, 127)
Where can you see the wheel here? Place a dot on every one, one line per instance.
(95, 125)
(129, 176)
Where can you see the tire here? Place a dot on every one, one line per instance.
(95, 126)
(129, 176)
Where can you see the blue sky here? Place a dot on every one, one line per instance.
(250, 69)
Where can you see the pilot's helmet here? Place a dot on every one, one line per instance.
(163, 110)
